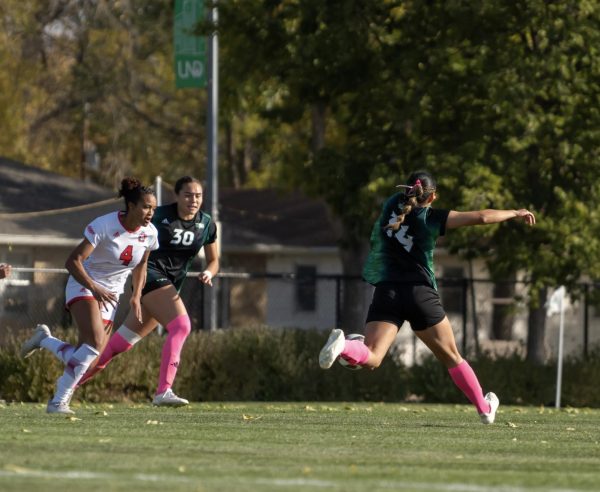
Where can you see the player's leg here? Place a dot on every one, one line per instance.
(383, 321)
(122, 340)
(439, 338)
(167, 308)
(42, 338)
(90, 322)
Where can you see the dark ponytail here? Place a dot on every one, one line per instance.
(419, 188)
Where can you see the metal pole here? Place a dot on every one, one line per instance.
(561, 333)
(211, 125)
(158, 190)
(465, 286)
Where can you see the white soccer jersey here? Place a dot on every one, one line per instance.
(117, 251)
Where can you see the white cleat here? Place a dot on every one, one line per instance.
(332, 349)
(33, 343)
(61, 407)
(488, 418)
(169, 399)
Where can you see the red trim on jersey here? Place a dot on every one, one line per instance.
(121, 214)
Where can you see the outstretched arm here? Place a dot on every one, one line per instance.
(488, 216)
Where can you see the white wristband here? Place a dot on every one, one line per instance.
(208, 274)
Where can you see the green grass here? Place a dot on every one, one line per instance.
(298, 447)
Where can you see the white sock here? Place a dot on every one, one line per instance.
(64, 351)
(76, 367)
(131, 336)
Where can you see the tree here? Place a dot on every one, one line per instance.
(499, 99)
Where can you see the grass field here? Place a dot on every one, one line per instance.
(298, 447)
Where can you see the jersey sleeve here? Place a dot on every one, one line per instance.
(212, 233)
(94, 231)
(153, 244)
(439, 216)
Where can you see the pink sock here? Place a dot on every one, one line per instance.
(178, 330)
(116, 345)
(355, 352)
(464, 377)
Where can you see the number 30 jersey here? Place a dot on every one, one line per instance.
(117, 250)
(180, 241)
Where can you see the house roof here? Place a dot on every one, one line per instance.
(41, 207)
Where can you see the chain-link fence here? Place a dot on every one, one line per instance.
(482, 320)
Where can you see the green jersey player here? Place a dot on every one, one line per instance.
(400, 266)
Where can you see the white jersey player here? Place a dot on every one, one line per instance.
(117, 251)
(114, 245)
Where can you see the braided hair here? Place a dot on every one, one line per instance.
(132, 190)
(420, 186)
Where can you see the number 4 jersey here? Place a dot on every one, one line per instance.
(117, 250)
(180, 241)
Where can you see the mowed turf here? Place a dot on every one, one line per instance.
(298, 447)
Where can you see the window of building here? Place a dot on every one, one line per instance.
(306, 287)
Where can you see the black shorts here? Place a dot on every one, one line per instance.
(419, 304)
(156, 280)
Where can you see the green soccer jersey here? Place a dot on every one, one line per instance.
(406, 255)
(179, 242)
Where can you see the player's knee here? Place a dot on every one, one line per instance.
(180, 326)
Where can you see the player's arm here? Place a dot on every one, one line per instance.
(74, 265)
(488, 216)
(212, 263)
(138, 280)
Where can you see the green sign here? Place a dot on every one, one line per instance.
(190, 50)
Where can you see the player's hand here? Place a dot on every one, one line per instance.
(105, 296)
(206, 277)
(136, 307)
(5, 270)
(526, 215)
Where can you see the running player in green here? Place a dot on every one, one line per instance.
(183, 229)
(400, 266)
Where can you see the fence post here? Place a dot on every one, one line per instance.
(586, 319)
(338, 297)
(465, 284)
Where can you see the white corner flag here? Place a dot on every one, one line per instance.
(556, 305)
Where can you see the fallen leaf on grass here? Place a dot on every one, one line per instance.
(15, 468)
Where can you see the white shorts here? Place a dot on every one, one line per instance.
(76, 292)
